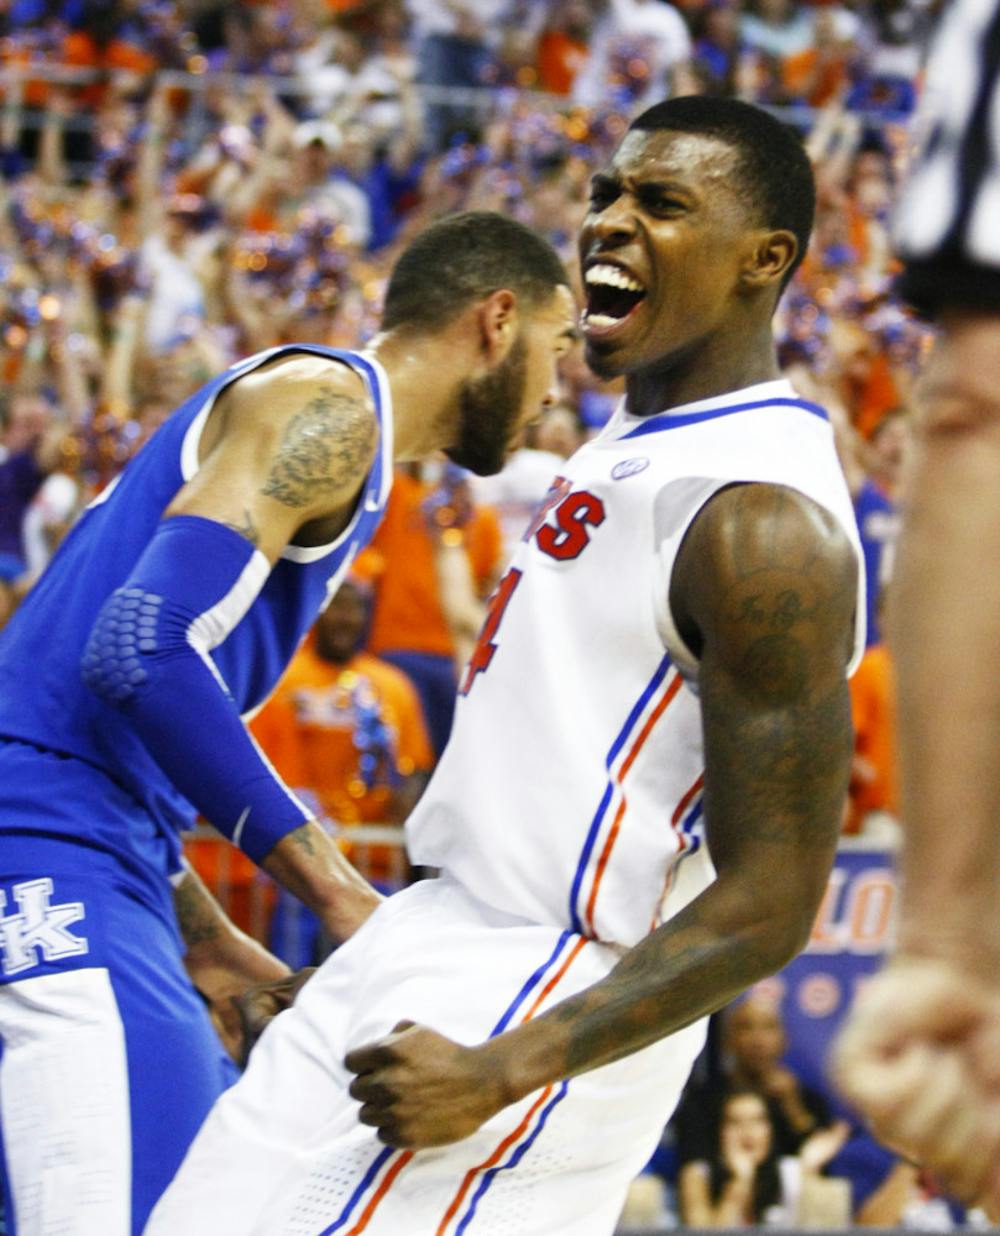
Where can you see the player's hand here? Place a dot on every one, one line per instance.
(420, 1089)
(258, 1006)
(920, 1057)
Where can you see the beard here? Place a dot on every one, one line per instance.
(490, 406)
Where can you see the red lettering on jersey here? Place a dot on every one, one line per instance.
(557, 491)
(485, 647)
(574, 516)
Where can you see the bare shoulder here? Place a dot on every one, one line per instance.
(313, 421)
(764, 563)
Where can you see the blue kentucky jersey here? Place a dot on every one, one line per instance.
(43, 700)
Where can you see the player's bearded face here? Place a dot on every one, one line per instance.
(491, 408)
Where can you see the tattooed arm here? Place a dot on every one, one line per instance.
(286, 447)
(764, 591)
(222, 961)
(284, 455)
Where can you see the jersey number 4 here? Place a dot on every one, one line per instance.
(485, 647)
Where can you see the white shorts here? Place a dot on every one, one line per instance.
(283, 1153)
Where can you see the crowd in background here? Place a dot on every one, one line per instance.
(185, 183)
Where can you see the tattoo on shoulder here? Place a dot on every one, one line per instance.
(246, 529)
(324, 447)
(302, 837)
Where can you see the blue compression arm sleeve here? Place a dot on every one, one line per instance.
(148, 656)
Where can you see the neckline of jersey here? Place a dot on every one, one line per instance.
(778, 393)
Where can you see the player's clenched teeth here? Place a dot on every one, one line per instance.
(612, 295)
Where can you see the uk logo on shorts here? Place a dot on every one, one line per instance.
(38, 927)
(629, 467)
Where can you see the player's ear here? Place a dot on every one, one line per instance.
(498, 324)
(768, 258)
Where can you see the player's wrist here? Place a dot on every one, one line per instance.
(229, 963)
(501, 1077)
(308, 863)
(519, 1062)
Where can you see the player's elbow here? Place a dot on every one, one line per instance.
(779, 933)
(112, 665)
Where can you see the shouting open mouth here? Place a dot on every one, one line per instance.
(613, 296)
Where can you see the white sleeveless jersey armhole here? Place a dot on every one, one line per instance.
(677, 506)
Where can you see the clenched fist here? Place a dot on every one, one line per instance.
(420, 1089)
(920, 1057)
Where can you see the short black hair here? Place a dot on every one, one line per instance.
(463, 258)
(775, 169)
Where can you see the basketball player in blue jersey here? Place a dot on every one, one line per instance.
(921, 1053)
(638, 808)
(170, 612)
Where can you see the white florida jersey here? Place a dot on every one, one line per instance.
(570, 792)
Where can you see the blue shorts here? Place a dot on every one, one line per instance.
(108, 1060)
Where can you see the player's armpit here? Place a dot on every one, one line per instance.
(286, 446)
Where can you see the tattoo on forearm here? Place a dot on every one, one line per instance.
(680, 973)
(246, 529)
(325, 447)
(196, 919)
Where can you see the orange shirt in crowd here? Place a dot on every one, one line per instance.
(400, 563)
(878, 395)
(874, 782)
(560, 58)
(307, 731)
(818, 79)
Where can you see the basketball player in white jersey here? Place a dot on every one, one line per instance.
(921, 1055)
(639, 805)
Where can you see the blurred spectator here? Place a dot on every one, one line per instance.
(433, 562)
(747, 1181)
(818, 73)
(169, 261)
(877, 511)
(559, 432)
(640, 51)
(563, 45)
(776, 28)
(723, 62)
(753, 1042)
(33, 444)
(873, 790)
(347, 727)
(453, 52)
